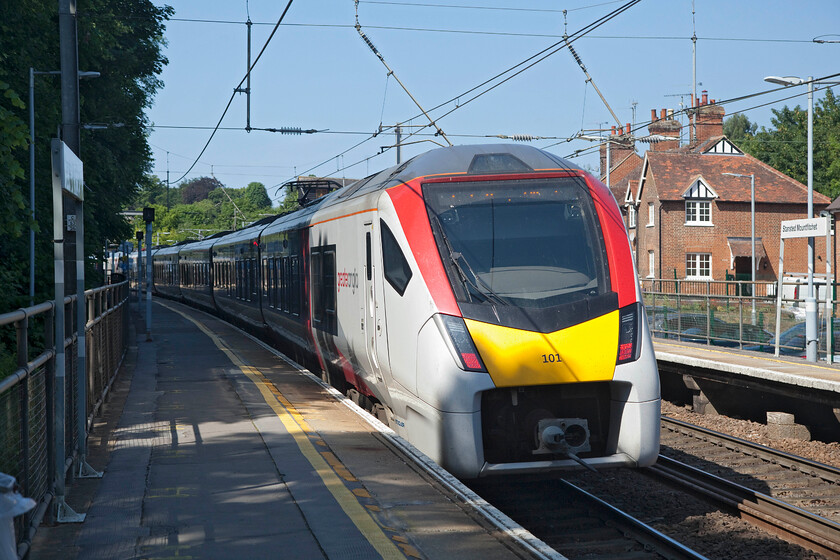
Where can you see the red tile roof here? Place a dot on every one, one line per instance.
(674, 171)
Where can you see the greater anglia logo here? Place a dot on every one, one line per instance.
(348, 280)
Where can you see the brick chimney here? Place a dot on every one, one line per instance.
(621, 145)
(665, 125)
(709, 119)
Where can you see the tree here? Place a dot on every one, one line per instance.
(195, 190)
(255, 197)
(785, 146)
(122, 40)
(739, 128)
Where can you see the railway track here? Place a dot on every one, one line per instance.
(578, 524)
(794, 498)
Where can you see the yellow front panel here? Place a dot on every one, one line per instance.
(584, 352)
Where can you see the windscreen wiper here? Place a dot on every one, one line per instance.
(489, 295)
(488, 291)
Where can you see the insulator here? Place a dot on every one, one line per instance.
(522, 138)
(577, 58)
(368, 43)
(286, 130)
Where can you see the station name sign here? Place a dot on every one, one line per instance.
(68, 169)
(812, 227)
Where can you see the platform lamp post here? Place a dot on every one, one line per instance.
(32, 74)
(752, 232)
(810, 300)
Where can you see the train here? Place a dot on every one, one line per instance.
(480, 300)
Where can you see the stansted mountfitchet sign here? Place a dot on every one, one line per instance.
(812, 227)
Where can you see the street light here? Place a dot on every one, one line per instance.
(752, 231)
(32, 73)
(810, 300)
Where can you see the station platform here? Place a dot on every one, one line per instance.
(214, 446)
(795, 372)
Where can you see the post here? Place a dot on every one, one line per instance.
(32, 185)
(829, 307)
(167, 180)
(139, 271)
(81, 342)
(811, 327)
(398, 132)
(148, 217)
(63, 512)
(752, 237)
(608, 163)
(779, 288)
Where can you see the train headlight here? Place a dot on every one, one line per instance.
(460, 342)
(628, 333)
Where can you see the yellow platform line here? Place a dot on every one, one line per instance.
(298, 429)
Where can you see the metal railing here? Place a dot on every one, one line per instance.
(28, 422)
(738, 314)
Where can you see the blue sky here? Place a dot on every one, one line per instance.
(316, 73)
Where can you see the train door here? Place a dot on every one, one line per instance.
(374, 312)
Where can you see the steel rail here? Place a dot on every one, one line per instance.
(641, 532)
(793, 524)
(825, 472)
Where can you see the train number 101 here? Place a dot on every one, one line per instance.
(551, 358)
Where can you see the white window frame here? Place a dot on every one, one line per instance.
(631, 216)
(651, 214)
(651, 264)
(693, 263)
(694, 215)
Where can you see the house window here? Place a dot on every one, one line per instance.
(698, 212)
(651, 264)
(631, 216)
(698, 265)
(650, 214)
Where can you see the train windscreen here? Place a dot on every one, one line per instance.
(529, 243)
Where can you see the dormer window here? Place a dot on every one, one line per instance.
(725, 147)
(698, 203)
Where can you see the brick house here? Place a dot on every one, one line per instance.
(687, 219)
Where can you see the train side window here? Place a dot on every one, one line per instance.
(395, 266)
(323, 288)
(239, 279)
(330, 290)
(252, 269)
(295, 295)
(284, 284)
(267, 281)
(368, 260)
(315, 263)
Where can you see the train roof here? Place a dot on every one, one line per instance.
(481, 159)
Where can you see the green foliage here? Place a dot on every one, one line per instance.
(121, 39)
(255, 197)
(738, 128)
(196, 190)
(785, 146)
(13, 141)
(220, 209)
(290, 201)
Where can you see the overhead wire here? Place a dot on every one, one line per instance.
(557, 46)
(501, 33)
(233, 95)
(536, 58)
(495, 8)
